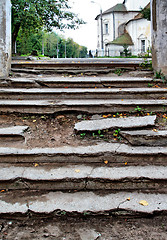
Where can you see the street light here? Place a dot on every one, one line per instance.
(101, 19)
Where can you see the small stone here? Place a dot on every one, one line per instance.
(96, 117)
(79, 116)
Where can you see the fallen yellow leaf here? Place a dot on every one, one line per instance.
(77, 170)
(106, 162)
(2, 190)
(105, 116)
(128, 199)
(143, 202)
(34, 120)
(126, 163)
(114, 115)
(155, 130)
(36, 165)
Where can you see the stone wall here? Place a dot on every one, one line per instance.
(159, 35)
(5, 38)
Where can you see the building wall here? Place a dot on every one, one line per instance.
(139, 30)
(119, 18)
(5, 38)
(159, 35)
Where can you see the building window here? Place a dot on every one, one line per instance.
(143, 46)
(106, 28)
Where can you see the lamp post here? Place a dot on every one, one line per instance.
(101, 20)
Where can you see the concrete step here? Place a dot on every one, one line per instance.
(146, 137)
(83, 177)
(86, 203)
(14, 133)
(80, 82)
(90, 106)
(74, 71)
(115, 154)
(78, 93)
(112, 123)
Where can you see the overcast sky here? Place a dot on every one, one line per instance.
(86, 35)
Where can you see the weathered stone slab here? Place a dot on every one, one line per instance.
(82, 202)
(109, 123)
(81, 82)
(114, 153)
(82, 93)
(146, 137)
(90, 106)
(78, 177)
(14, 133)
(22, 83)
(49, 173)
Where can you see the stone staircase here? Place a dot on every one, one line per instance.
(113, 178)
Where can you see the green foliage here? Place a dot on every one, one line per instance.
(52, 41)
(126, 50)
(146, 64)
(32, 15)
(99, 134)
(139, 110)
(150, 84)
(118, 71)
(146, 13)
(116, 134)
(160, 75)
(82, 135)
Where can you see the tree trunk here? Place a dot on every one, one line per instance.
(14, 37)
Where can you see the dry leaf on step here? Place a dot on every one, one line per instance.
(143, 202)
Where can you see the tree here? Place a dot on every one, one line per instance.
(52, 42)
(146, 13)
(32, 15)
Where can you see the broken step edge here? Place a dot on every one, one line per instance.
(145, 137)
(13, 133)
(89, 106)
(112, 123)
(80, 177)
(51, 173)
(112, 152)
(81, 203)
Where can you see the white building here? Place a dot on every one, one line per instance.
(123, 24)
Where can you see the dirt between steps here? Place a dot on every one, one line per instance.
(85, 228)
(50, 131)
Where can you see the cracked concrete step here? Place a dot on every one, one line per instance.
(81, 82)
(81, 203)
(88, 105)
(146, 137)
(91, 71)
(14, 133)
(78, 93)
(79, 177)
(109, 123)
(115, 154)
